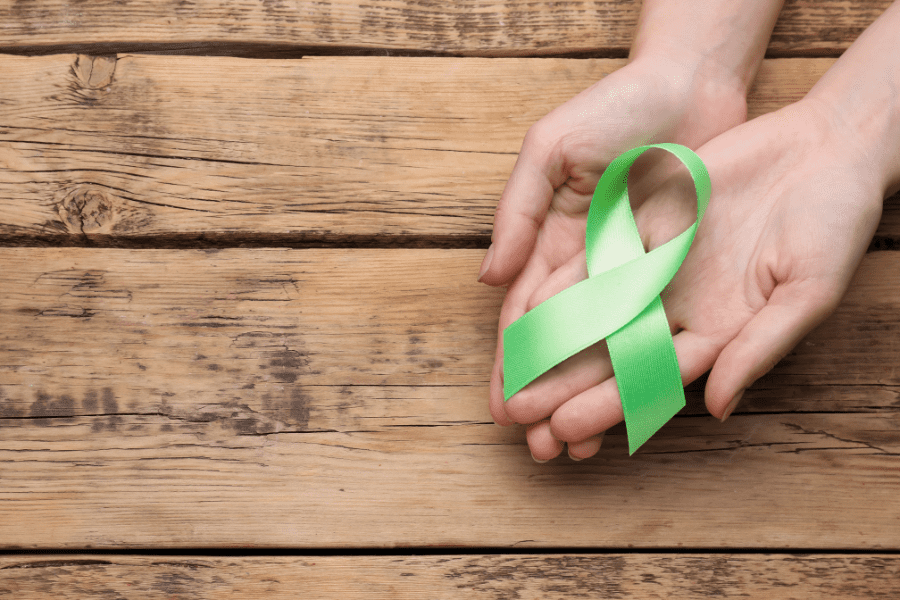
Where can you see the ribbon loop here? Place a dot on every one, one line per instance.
(618, 301)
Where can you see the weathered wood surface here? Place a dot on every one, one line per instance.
(337, 398)
(549, 577)
(160, 150)
(466, 27)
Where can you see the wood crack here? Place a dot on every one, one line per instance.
(736, 445)
(862, 443)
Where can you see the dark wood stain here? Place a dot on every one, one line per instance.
(110, 405)
(284, 376)
(572, 576)
(8, 410)
(298, 412)
(89, 402)
(46, 406)
(291, 359)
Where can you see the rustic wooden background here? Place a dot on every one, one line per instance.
(243, 353)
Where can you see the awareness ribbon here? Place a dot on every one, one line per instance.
(618, 301)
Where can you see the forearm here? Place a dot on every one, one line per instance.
(724, 40)
(861, 93)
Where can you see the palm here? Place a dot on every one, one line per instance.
(784, 235)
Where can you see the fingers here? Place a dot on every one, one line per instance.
(599, 408)
(544, 446)
(523, 205)
(586, 448)
(589, 413)
(586, 369)
(514, 306)
(541, 442)
(498, 411)
(571, 272)
(793, 311)
(539, 399)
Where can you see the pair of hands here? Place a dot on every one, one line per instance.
(792, 212)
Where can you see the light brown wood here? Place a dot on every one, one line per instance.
(159, 150)
(337, 398)
(387, 329)
(469, 27)
(760, 481)
(549, 577)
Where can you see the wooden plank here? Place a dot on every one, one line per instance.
(467, 27)
(405, 329)
(335, 398)
(154, 150)
(761, 481)
(649, 576)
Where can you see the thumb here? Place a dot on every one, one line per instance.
(792, 311)
(538, 172)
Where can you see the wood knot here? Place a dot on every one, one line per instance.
(90, 210)
(94, 72)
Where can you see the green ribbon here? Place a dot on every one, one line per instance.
(618, 301)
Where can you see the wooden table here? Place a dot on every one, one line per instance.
(243, 353)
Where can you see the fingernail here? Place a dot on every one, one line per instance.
(486, 263)
(573, 458)
(538, 461)
(733, 404)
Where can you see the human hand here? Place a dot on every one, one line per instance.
(796, 200)
(540, 221)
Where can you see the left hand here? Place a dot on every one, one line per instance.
(540, 221)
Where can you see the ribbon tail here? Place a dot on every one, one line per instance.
(647, 374)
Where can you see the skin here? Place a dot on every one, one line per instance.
(797, 196)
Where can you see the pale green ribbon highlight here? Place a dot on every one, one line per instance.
(618, 301)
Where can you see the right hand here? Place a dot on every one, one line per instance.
(797, 196)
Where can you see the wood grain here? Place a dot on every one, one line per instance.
(466, 27)
(195, 328)
(160, 151)
(554, 576)
(763, 481)
(337, 398)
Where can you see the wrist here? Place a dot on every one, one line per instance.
(703, 70)
(866, 119)
(709, 99)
